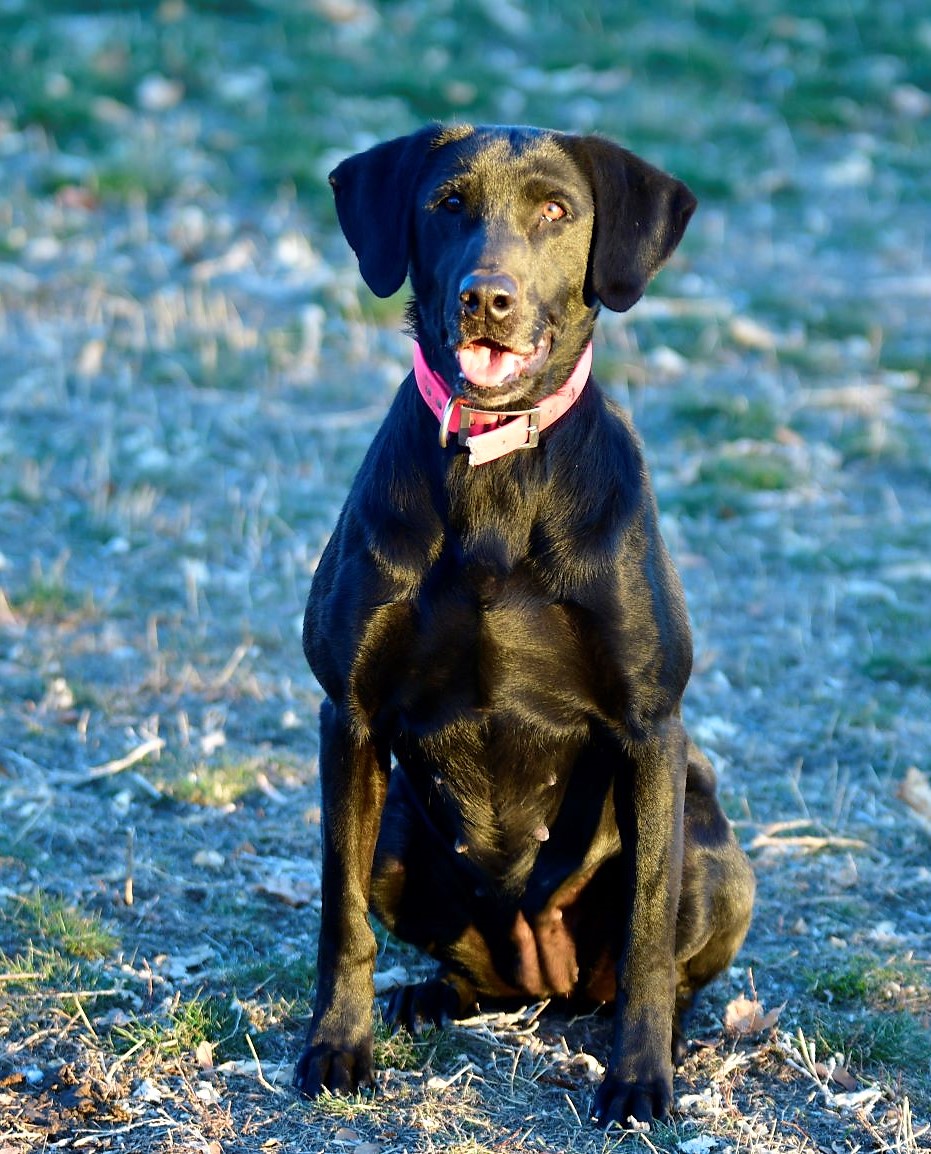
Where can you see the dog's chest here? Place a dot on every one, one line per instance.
(485, 644)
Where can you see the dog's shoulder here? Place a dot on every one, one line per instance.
(389, 527)
(597, 460)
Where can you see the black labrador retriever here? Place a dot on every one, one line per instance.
(500, 632)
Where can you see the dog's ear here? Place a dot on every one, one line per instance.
(374, 203)
(640, 216)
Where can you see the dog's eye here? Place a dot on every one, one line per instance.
(552, 211)
(452, 203)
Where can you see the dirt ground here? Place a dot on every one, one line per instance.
(192, 371)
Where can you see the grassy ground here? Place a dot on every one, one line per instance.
(191, 373)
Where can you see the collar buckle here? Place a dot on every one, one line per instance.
(510, 416)
(451, 405)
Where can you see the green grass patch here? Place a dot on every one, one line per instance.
(45, 920)
(726, 418)
(904, 668)
(878, 1015)
(214, 785)
(727, 484)
(758, 472)
(401, 1050)
(291, 979)
(873, 1042)
(32, 970)
(187, 1023)
(49, 598)
(881, 985)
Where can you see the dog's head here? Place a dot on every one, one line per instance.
(513, 238)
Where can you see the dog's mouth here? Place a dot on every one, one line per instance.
(489, 365)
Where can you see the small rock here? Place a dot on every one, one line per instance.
(43, 249)
(750, 334)
(147, 1091)
(667, 361)
(206, 1092)
(911, 102)
(157, 93)
(58, 697)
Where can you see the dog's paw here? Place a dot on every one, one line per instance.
(340, 1071)
(630, 1103)
(433, 1003)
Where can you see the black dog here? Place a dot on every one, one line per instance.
(505, 623)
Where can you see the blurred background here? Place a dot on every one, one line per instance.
(192, 368)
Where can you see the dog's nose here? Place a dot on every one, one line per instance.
(488, 296)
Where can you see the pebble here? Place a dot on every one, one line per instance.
(156, 93)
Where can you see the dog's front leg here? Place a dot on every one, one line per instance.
(649, 802)
(353, 774)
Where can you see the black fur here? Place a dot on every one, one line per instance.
(506, 779)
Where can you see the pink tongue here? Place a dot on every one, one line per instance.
(486, 367)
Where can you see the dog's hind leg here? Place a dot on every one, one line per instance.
(435, 1002)
(425, 896)
(716, 901)
(419, 895)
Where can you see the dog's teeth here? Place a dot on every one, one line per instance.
(461, 847)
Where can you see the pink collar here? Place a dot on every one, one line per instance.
(517, 429)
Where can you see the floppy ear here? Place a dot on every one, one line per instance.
(374, 203)
(640, 217)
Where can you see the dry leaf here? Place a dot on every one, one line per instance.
(281, 1074)
(915, 791)
(393, 979)
(179, 966)
(842, 1076)
(864, 1099)
(114, 1017)
(293, 891)
(746, 1018)
(701, 1144)
(209, 859)
(204, 1055)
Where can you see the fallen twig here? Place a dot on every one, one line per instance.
(807, 842)
(263, 1081)
(110, 768)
